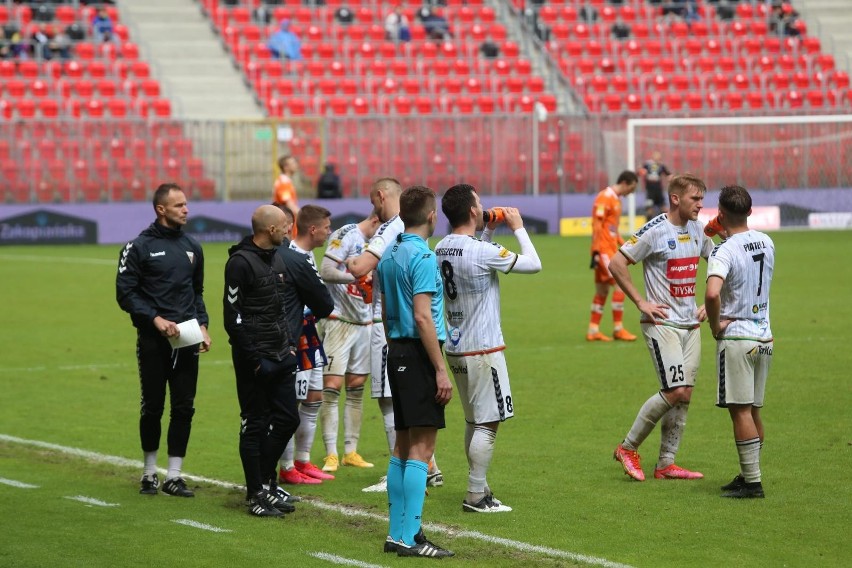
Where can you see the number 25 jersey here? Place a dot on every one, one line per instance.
(669, 256)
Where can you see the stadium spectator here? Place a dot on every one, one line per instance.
(346, 338)
(313, 226)
(284, 44)
(160, 283)
(606, 238)
(102, 27)
(434, 24)
(469, 268)
(344, 15)
(265, 293)
(49, 45)
(397, 26)
(384, 195)
(737, 301)
(784, 20)
(284, 190)
(328, 185)
(668, 247)
(413, 300)
(489, 49)
(11, 43)
(654, 173)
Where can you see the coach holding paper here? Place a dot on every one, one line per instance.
(160, 283)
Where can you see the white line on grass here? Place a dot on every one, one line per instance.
(202, 526)
(18, 484)
(58, 259)
(340, 509)
(334, 559)
(92, 501)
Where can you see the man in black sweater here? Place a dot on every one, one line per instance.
(265, 294)
(160, 283)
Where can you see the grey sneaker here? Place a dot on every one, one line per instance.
(149, 485)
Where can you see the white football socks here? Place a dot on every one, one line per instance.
(150, 463)
(671, 430)
(353, 408)
(480, 454)
(749, 452)
(329, 419)
(308, 412)
(386, 406)
(175, 466)
(650, 413)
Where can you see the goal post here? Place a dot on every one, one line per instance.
(760, 153)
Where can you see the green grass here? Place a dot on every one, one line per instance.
(68, 377)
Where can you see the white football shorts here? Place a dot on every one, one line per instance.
(347, 347)
(742, 366)
(483, 383)
(675, 353)
(379, 384)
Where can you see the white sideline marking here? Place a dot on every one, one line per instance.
(202, 526)
(92, 501)
(340, 509)
(333, 558)
(58, 259)
(18, 484)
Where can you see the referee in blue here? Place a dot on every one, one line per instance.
(413, 314)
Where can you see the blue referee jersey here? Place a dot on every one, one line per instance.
(405, 270)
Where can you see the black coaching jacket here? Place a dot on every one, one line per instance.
(265, 295)
(161, 273)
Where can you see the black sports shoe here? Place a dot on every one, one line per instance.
(425, 548)
(392, 546)
(177, 487)
(746, 491)
(272, 499)
(260, 508)
(738, 482)
(149, 485)
(286, 496)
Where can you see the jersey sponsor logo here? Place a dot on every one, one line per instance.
(458, 370)
(682, 290)
(633, 240)
(504, 253)
(761, 350)
(455, 336)
(455, 315)
(335, 243)
(683, 238)
(191, 256)
(161, 253)
(759, 307)
(682, 268)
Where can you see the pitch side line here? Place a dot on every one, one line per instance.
(335, 559)
(345, 511)
(92, 501)
(202, 526)
(18, 484)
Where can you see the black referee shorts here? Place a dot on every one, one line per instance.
(413, 388)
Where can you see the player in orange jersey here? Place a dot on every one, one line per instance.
(606, 214)
(284, 192)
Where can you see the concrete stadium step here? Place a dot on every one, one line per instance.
(188, 59)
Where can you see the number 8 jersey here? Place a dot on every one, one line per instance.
(745, 262)
(472, 292)
(669, 256)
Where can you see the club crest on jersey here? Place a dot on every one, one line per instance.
(191, 256)
(672, 244)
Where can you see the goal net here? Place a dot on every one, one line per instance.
(795, 154)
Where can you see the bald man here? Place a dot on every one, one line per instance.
(263, 292)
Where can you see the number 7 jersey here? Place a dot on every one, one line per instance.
(472, 292)
(746, 262)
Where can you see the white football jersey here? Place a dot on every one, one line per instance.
(384, 237)
(346, 242)
(669, 256)
(472, 292)
(746, 262)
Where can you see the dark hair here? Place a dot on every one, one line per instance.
(456, 203)
(310, 215)
(161, 194)
(283, 160)
(628, 177)
(415, 204)
(735, 201)
(681, 182)
(290, 217)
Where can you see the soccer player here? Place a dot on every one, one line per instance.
(413, 313)
(469, 268)
(654, 172)
(313, 226)
(668, 246)
(284, 190)
(739, 276)
(346, 338)
(606, 215)
(384, 195)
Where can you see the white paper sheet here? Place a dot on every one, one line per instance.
(190, 334)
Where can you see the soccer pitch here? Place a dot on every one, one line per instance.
(69, 386)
